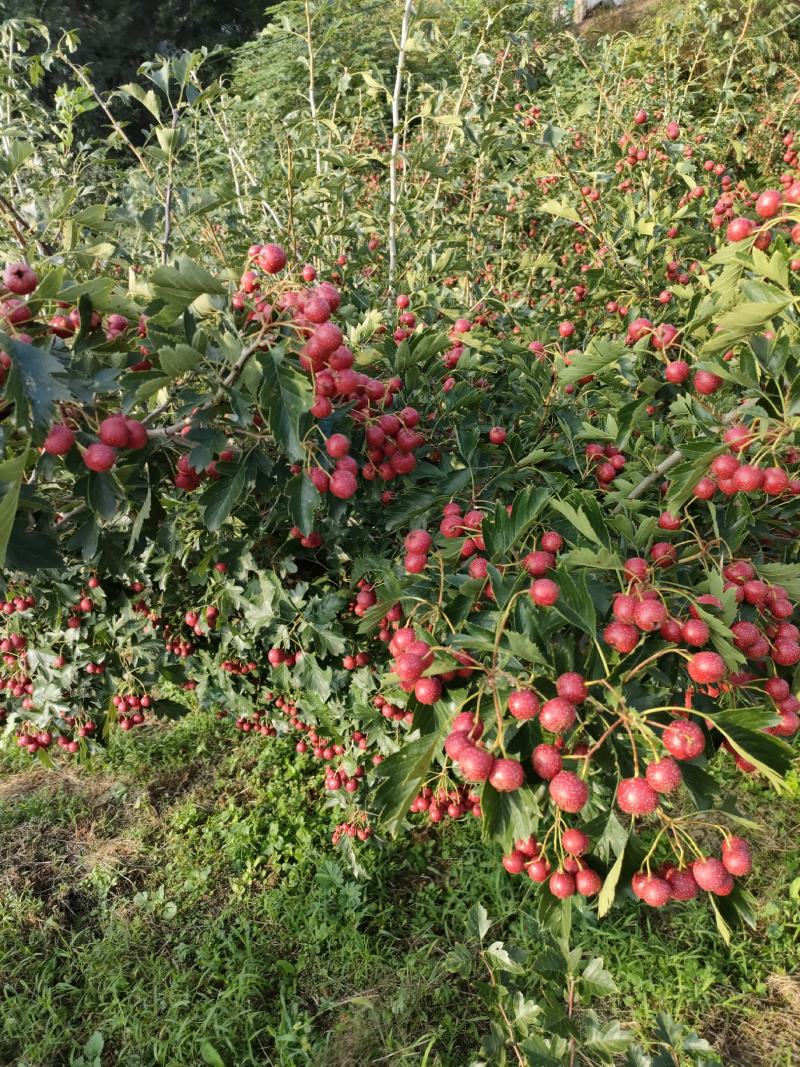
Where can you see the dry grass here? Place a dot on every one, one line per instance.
(769, 1037)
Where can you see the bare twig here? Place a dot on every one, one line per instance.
(398, 86)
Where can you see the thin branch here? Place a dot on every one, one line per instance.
(670, 462)
(229, 380)
(398, 86)
(168, 191)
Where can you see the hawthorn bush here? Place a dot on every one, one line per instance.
(448, 418)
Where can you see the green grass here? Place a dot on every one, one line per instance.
(181, 896)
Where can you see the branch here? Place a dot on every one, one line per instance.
(398, 85)
(168, 192)
(229, 380)
(20, 227)
(667, 464)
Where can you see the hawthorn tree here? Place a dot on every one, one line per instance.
(511, 538)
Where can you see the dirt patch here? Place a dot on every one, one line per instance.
(606, 20)
(769, 1037)
(52, 860)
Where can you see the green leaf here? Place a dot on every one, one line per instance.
(104, 494)
(178, 360)
(181, 284)
(401, 776)
(744, 727)
(499, 955)
(11, 472)
(478, 922)
(576, 518)
(304, 500)
(285, 396)
(210, 1054)
(596, 981)
(609, 889)
(36, 371)
(598, 356)
(785, 574)
(220, 497)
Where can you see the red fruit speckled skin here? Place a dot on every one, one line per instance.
(476, 764)
(562, 884)
(507, 775)
(684, 739)
(523, 704)
(557, 715)
(575, 842)
(682, 884)
(546, 761)
(572, 686)
(636, 797)
(706, 668)
(665, 776)
(568, 792)
(711, 875)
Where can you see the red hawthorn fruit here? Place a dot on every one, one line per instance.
(748, 479)
(337, 445)
(546, 760)
(114, 431)
(99, 457)
(343, 484)
(740, 229)
(705, 489)
(568, 792)
(621, 636)
(664, 554)
(428, 690)
(705, 668)
(684, 739)
(588, 882)
(418, 541)
(572, 686)
(475, 764)
(636, 796)
(664, 776)
(415, 562)
(137, 434)
(648, 615)
(551, 541)
(575, 842)
(695, 632)
(706, 382)
(636, 569)
(272, 259)
(20, 279)
(514, 862)
(668, 521)
(544, 592)
(561, 885)
(655, 892)
(769, 203)
(524, 704)
(776, 481)
(456, 742)
(537, 564)
(677, 371)
(736, 856)
(59, 440)
(497, 435)
(557, 715)
(506, 775)
(711, 875)
(538, 870)
(681, 883)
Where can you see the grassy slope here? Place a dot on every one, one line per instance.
(183, 890)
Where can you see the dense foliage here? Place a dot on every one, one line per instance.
(462, 444)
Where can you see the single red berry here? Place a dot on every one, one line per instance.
(636, 796)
